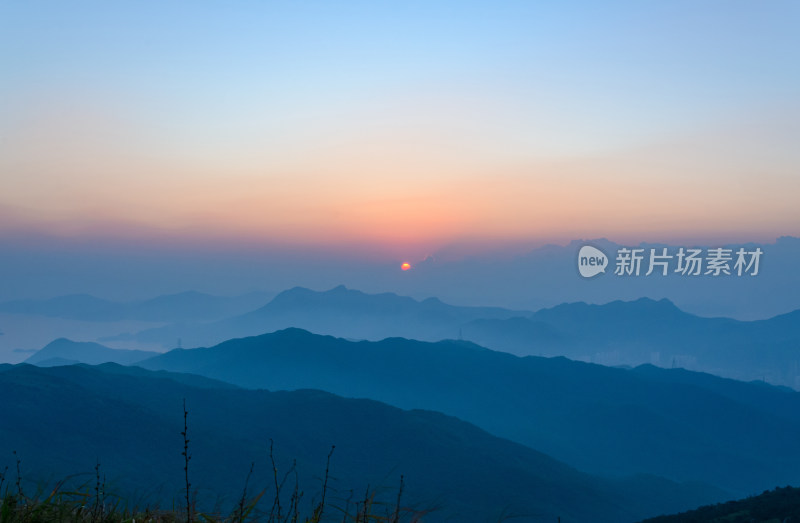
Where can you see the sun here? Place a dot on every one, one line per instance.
(405, 266)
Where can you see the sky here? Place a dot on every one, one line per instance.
(389, 131)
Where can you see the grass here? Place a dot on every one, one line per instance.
(89, 505)
(88, 502)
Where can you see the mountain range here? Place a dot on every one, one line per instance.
(657, 332)
(681, 425)
(522, 276)
(616, 333)
(64, 420)
(599, 419)
(339, 311)
(546, 276)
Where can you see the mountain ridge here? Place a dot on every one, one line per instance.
(615, 333)
(559, 406)
(131, 424)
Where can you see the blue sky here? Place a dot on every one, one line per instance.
(399, 129)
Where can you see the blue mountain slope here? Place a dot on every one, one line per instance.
(64, 420)
(604, 420)
(617, 333)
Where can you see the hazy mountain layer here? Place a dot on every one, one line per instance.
(63, 420)
(681, 425)
(617, 333)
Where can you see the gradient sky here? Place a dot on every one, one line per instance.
(399, 127)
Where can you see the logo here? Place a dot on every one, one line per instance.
(654, 262)
(591, 261)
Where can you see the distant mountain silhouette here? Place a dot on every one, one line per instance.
(684, 426)
(648, 331)
(617, 333)
(340, 311)
(64, 352)
(66, 419)
(547, 276)
(184, 306)
(519, 276)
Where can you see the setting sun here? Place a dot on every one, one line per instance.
(405, 266)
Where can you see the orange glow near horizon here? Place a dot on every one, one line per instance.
(397, 142)
(406, 266)
(400, 193)
(418, 218)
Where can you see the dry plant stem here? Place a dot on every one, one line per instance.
(276, 504)
(396, 518)
(186, 458)
(325, 483)
(243, 499)
(19, 476)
